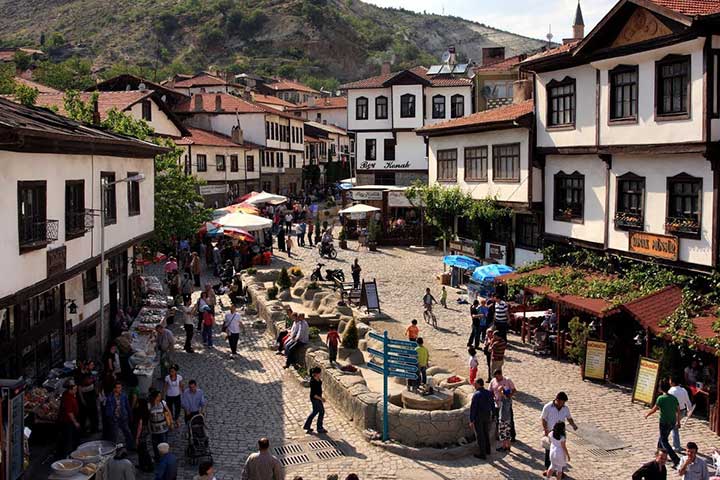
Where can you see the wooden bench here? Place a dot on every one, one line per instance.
(347, 291)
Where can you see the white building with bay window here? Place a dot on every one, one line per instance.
(384, 112)
(627, 123)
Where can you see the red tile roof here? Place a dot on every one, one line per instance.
(487, 117)
(506, 65)
(650, 310)
(275, 111)
(691, 7)
(106, 100)
(228, 104)
(290, 85)
(202, 80)
(324, 103)
(269, 99)
(435, 80)
(210, 139)
(564, 48)
(40, 87)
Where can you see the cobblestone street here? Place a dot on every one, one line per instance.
(252, 396)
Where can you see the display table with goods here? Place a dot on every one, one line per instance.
(87, 462)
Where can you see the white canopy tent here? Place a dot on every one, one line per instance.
(359, 208)
(265, 197)
(245, 221)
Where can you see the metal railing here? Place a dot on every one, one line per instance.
(38, 233)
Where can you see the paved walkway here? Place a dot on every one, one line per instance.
(252, 396)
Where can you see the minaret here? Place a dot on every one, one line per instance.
(579, 25)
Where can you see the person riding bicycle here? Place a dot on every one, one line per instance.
(428, 300)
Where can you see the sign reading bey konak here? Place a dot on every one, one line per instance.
(654, 245)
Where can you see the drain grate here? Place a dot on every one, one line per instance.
(292, 449)
(294, 460)
(329, 454)
(321, 445)
(602, 453)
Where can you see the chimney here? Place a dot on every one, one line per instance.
(247, 94)
(311, 101)
(386, 68)
(452, 58)
(198, 103)
(96, 111)
(579, 24)
(237, 135)
(522, 90)
(218, 103)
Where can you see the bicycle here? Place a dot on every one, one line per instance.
(429, 316)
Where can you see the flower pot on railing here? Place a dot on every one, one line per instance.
(628, 220)
(688, 226)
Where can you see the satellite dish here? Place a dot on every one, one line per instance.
(142, 87)
(164, 98)
(445, 57)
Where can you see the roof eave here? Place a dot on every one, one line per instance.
(520, 122)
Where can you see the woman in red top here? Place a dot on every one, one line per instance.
(68, 419)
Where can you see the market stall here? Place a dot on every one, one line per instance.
(265, 197)
(462, 268)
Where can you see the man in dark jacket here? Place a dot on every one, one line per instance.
(480, 415)
(654, 470)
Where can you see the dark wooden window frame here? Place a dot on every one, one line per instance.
(74, 217)
(535, 235)
(408, 105)
(625, 217)
(660, 114)
(201, 162)
(684, 231)
(361, 108)
(497, 157)
(220, 163)
(483, 158)
(111, 201)
(438, 106)
(381, 108)
(557, 84)
(90, 285)
(234, 165)
(368, 149)
(249, 163)
(571, 217)
(133, 194)
(147, 110)
(452, 168)
(457, 106)
(41, 217)
(614, 117)
(388, 142)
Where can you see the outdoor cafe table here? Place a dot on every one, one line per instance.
(522, 318)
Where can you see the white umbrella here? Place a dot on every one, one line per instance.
(245, 221)
(264, 197)
(359, 208)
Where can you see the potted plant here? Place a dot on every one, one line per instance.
(283, 281)
(342, 238)
(579, 333)
(373, 234)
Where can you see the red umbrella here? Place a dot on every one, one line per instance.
(238, 233)
(248, 195)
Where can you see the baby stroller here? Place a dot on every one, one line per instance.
(198, 445)
(541, 342)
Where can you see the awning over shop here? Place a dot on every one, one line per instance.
(359, 208)
(265, 197)
(247, 222)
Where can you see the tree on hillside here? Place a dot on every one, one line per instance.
(178, 205)
(7, 78)
(72, 74)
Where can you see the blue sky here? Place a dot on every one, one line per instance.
(527, 17)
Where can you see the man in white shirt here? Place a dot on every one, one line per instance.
(299, 336)
(552, 413)
(679, 392)
(233, 325)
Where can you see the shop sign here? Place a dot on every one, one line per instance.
(654, 245)
(595, 358)
(467, 248)
(646, 381)
(56, 261)
(366, 194)
(384, 165)
(213, 189)
(497, 252)
(398, 199)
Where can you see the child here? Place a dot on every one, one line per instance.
(423, 357)
(504, 419)
(333, 338)
(412, 332)
(483, 322)
(443, 297)
(472, 364)
(559, 456)
(317, 400)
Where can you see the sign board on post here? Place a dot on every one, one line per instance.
(646, 381)
(595, 360)
(653, 245)
(497, 252)
(399, 360)
(369, 296)
(366, 194)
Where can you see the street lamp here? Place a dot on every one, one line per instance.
(139, 177)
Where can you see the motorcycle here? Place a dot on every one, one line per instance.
(330, 274)
(327, 250)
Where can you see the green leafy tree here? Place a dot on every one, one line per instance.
(7, 79)
(440, 205)
(351, 337)
(283, 280)
(72, 74)
(22, 61)
(26, 95)
(77, 109)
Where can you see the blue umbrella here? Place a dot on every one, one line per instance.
(461, 261)
(489, 272)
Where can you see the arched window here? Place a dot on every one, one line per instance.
(438, 106)
(381, 108)
(457, 106)
(407, 105)
(361, 108)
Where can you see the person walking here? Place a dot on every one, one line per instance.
(310, 230)
(501, 384)
(355, 270)
(552, 413)
(317, 400)
(301, 234)
(173, 387)
(232, 326)
(333, 340)
(669, 418)
(117, 413)
(559, 455)
(412, 331)
(497, 351)
(195, 268)
(443, 297)
(693, 467)
(289, 245)
(88, 398)
(158, 424)
(480, 415)
(192, 400)
(486, 350)
(679, 392)
(68, 419)
(119, 467)
(208, 320)
(165, 347)
(501, 315)
(141, 417)
(505, 417)
(653, 470)
(288, 222)
(281, 239)
(475, 337)
(423, 358)
(186, 287)
(262, 465)
(206, 471)
(188, 325)
(167, 466)
(201, 306)
(472, 365)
